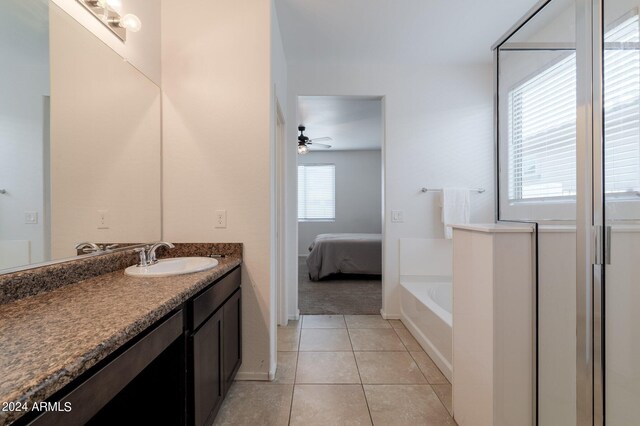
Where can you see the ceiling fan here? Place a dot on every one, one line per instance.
(304, 141)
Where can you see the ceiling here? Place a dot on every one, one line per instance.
(400, 31)
(354, 122)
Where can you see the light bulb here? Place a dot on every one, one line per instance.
(131, 22)
(115, 5)
(303, 149)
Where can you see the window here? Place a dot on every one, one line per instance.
(542, 134)
(542, 124)
(316, 192)
(622, 108)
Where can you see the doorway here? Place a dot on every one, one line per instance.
(339, 204)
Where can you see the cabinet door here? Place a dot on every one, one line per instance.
(207, 369)
(232, 334)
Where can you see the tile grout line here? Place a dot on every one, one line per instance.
(424, 375)
(414, 361)
(295, 373)
(440, 399)
(353, 352)
(366, 401)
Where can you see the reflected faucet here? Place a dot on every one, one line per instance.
(148, 253)
(88, 247)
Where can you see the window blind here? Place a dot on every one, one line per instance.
(316, 192)
(622, 108)
(542, 124)
(542, 134)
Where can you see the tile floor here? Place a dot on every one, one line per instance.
(344, 370)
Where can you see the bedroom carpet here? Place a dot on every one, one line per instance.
(340, 294)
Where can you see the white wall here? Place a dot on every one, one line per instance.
(105, 143)
(277, 158)
(217, 146)
(24, 83)
(358, 195)
(438, 130)
(141, 49)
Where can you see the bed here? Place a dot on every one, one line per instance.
(345, 253)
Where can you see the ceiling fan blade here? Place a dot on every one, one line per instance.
(320, 145)
(326, 138)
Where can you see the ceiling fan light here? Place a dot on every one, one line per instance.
(303, 149)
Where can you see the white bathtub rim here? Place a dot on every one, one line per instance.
(441, 362)
(441, 312)
(426, 279)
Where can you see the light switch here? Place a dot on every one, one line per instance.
(221, 219)
(397, 216)
(31, 218)
(103, 219)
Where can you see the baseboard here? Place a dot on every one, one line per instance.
(252, 376)
(295, 316)
(389, 316)
(272, 370)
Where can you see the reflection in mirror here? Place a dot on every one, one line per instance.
(24, 131)
(79, 139)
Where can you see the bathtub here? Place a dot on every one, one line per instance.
(426, 306)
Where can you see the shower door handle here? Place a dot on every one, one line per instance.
(602, 245)
(607, 245)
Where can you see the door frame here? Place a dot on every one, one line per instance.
(280, 220)
(292, 200)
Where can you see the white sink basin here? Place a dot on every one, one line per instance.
(173, 266)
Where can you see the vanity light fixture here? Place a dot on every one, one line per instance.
(129, 22)
(109, 12)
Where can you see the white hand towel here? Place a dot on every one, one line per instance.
(456, 208)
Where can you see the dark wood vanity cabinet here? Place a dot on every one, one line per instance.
(232, 349)
(208, 389)
(216, 344)
(176, 372)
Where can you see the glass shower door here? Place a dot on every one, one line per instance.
(620, 238)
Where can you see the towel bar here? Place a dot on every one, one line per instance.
(478, 190)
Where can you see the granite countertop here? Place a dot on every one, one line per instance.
(49, 339)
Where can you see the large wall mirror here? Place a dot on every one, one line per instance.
(80, 144)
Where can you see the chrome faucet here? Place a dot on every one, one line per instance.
(151, 253)
(147, 254)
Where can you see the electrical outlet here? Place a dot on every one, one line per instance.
(31, 218)
(397, 216)
(221, 219)
(103, 219)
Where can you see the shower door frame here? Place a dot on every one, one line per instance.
(589, 206)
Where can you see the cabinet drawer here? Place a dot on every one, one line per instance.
(212, 298)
